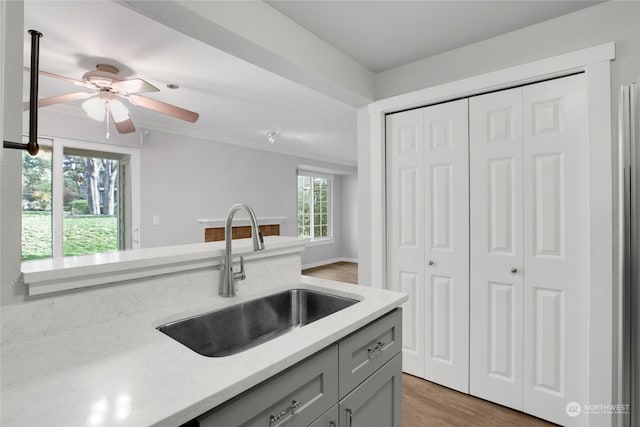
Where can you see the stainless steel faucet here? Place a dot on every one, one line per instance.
(229, 277)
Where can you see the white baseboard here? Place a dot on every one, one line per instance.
(328, 261)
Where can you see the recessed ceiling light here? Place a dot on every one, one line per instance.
(272, 135)
(172, 86)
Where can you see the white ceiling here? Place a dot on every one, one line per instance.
(386, 34)
(239, 102)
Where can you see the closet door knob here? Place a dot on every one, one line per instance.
(514, 270)
(431, 262)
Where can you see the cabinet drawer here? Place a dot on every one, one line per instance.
(377, 401)
(364, 352)
(297, 397)
(329, 419)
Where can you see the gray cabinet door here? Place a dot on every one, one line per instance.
(364, 352)
(376, 402)
(329, 419)
(295, 398)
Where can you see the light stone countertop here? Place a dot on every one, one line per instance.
(126, 373)
(65, 273)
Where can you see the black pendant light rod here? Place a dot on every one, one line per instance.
(32, 146)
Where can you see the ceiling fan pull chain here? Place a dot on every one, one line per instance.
(106, 107)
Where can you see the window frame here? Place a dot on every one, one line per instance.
(130, 236)
(313, 241)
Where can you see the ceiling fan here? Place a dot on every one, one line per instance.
(108, 86)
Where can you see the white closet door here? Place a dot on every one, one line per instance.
(446, 208)
(496, 288)
(428, 217)
(405, 229)
(556, 327)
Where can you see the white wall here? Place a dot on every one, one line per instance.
(349, 213)
(10, 166)
(605, 22)
(185, 179)
(364, 198)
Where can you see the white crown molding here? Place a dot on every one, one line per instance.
(212, 136)
(207, 135)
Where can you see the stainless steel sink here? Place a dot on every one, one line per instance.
(242, 326)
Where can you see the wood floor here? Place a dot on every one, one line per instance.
(340, 271)
(425, 404)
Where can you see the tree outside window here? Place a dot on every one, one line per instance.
(36, 205)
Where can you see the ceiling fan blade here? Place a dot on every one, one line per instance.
(58, 99)
(134, 86)
(59, 77)
(164, 108)
(125, 126)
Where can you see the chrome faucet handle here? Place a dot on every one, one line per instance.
(239, 275)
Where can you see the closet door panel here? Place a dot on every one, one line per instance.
(496, 238)
(446, 244)
(406, 223)
(555, 251)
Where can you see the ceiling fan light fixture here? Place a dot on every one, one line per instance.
(106, 85)
(95, 108)
(118, 111)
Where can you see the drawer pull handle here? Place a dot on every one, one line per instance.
(373, 352)
(291, 408)
(349, 417)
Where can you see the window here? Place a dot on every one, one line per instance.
(77, 199)
(314, 206)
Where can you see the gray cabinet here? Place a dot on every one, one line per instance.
(296, 397)
(377, 401)
(364, 352)
(364, 370)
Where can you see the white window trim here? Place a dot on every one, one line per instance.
(322, 240)
(57, 146)
(315, 174)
